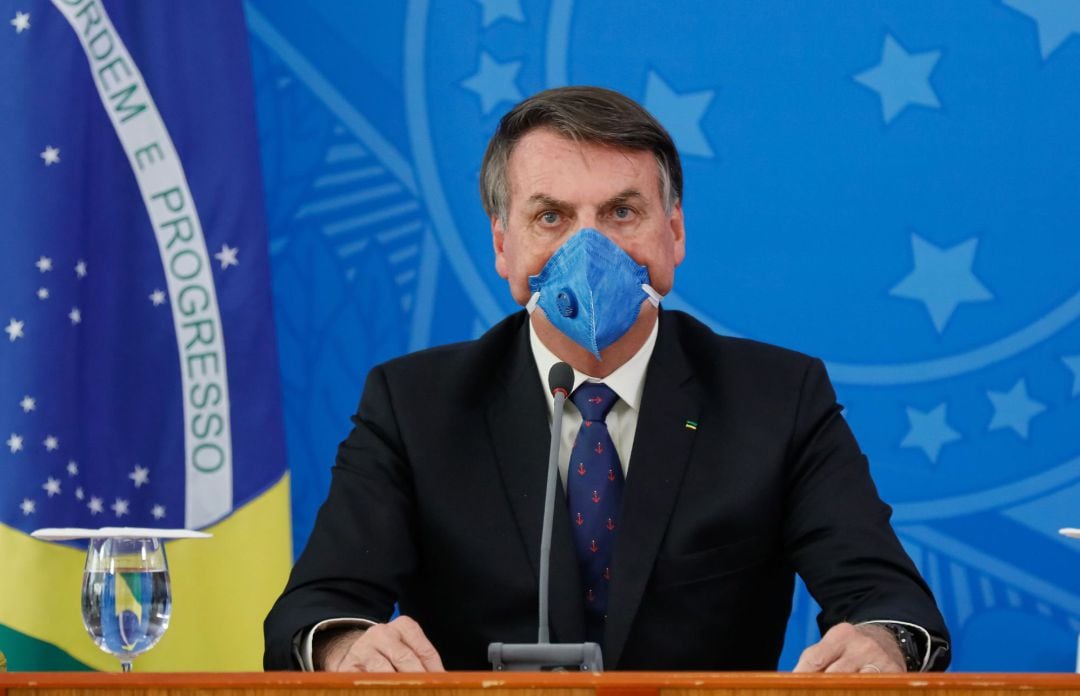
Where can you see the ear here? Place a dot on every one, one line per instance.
(678, 232)
(498, 242)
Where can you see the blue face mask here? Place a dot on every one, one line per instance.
(591, 290)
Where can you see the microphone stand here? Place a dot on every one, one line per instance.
(545, 655)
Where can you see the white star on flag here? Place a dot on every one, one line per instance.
(80, 269)
(14, 329)
(120, 507)
(158, 511)
(79, 495)
(27, 506)
(140, 476)
(95, 505)
(21, 22)
(44, 264)
(52, 443)
(51, 155)
(14, 443)
(52, 486)
(75, 316)
(157, 297)
(73, 468)
(227, 256)
(43, 293)
(28, 404)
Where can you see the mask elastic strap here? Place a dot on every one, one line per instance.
(654, 296)
(531, 305)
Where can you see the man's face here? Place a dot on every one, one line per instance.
(558, 187)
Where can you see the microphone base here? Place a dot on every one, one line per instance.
(546, 657)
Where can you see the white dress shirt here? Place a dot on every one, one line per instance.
(628, 381)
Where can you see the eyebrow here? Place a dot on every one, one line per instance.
(545, 201)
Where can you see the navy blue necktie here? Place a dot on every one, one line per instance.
(594, 482)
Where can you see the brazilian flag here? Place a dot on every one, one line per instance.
(138, 371)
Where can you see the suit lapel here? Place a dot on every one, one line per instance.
(662, 446)
(518, 421)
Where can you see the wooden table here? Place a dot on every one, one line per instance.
(532, 684)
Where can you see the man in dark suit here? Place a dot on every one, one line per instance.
(730, 465)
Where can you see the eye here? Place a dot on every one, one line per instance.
(549, 218)
(623, 212)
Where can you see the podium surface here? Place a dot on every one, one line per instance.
(533, 684)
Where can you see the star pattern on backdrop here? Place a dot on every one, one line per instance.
(681, 114)
(28, 403)
(50, 155)
(227, 256)
(14, 443)
(75, 315)
(494, 82)
(73, 468)
(942, 279)
(494, 10)
(51, 443)
(1056, 20)
(42, 293)
(929, 431)
(21, 22)
(1073, 363)
(80, 269)
(901, 79)
(157, 297)
(158, 511)
(44, 264)
(1014, 409)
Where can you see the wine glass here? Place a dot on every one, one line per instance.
(126, 600)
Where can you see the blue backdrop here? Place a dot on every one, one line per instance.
(891, 185)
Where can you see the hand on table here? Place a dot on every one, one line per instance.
(849, 648)
(398, 646)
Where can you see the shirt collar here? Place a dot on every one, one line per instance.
(628, 381)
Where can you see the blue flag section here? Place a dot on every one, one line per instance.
(139, 377)
(889, 185)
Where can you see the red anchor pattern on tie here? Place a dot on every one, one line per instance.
(599, 476)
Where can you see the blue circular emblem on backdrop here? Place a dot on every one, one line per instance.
(824, 207)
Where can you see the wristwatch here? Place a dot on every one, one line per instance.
(908, 643)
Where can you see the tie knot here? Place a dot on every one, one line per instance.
(594, 400)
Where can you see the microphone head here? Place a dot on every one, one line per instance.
(561, 378)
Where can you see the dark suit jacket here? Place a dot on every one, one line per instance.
(437, 494)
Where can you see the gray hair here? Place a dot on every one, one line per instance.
(583, 114)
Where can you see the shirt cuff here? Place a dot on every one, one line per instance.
(302, 641)
(934, 646)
